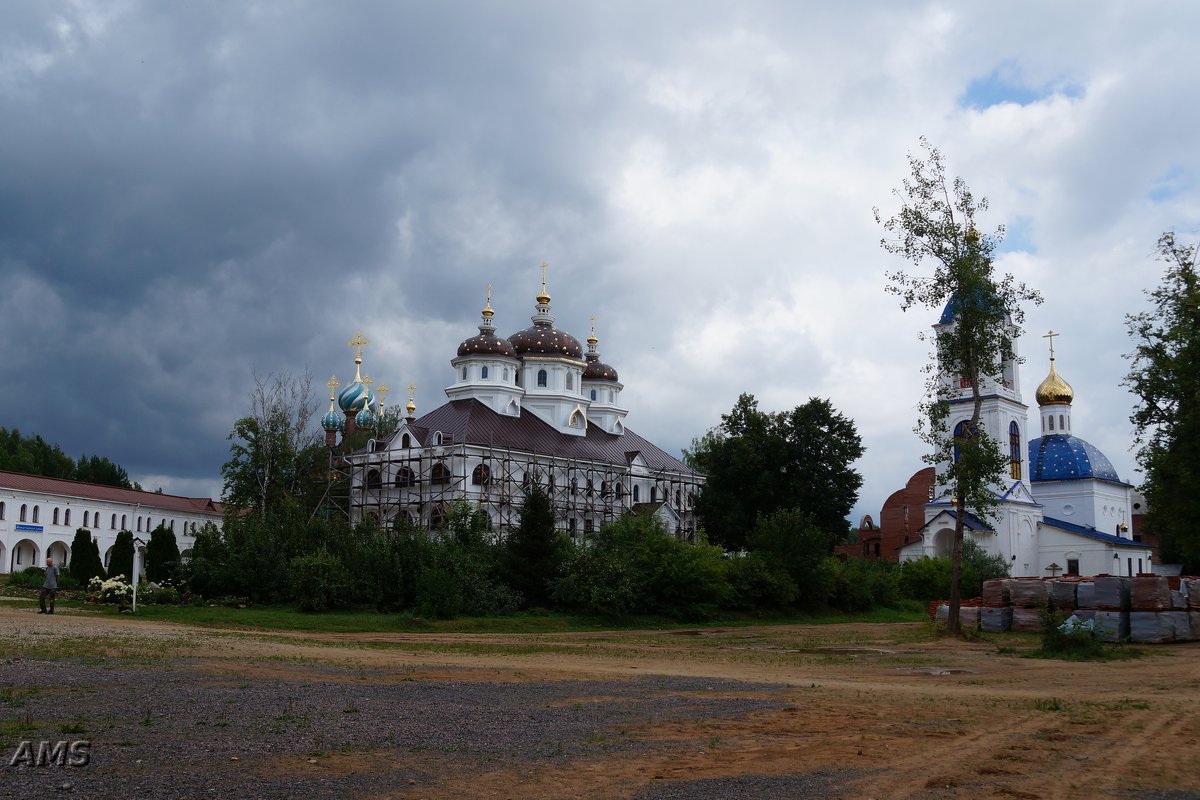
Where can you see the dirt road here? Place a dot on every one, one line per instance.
(883, 711)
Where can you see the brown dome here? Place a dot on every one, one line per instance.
(486, 344)
(545, 340)
(597, 370)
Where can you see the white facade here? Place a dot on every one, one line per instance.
(39, 517)
(1061, 508)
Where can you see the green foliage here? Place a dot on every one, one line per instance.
(534, 553)
(633, 565)
(927, 579)
(28, 578)
(85, 558)
(1075, 641)
(319, 582)
(758, 462)
(1165, 377)
(36, 456)
(860, 584)
(936, 224)
(162, 555)
(757, 582)
(120, 560)
(793, 542)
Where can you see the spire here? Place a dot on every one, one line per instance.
(592, 341)
(358, 343)
(487, 325)
(541, 315)
(1054, 390)
(411, 408)
(544, 297)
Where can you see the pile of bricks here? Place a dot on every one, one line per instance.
(1146, 608)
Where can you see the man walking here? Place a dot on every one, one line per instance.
(49, 587)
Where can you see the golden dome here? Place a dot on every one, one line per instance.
(1054, 390)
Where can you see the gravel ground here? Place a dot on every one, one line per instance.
(177, 730)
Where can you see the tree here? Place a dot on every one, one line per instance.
(120, 560)
(271, 449)
(533, 553)
(758, 462)
(1165, 377)
(162, 555)
(98, 469)
(85, 558)
(791, 539)
(936, 223)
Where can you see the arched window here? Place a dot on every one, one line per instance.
(552, 482)
(125, 525)
(504, 375)
(576, 420)
(1062, 424)
(113, 526)
(541, 377)
(593, 394)
(570, 380)
(2, 511)
(1051, 418)
(464, 373)
(437, 438)
(438, 517)
(55, 517)
(66, 515)
(405, 478)
(960, 433)
(24, 511)
(590, 490)
(406, 441)
(373, 480)
(1014, 449)
(483, 373)
(36, 510)
(139, 525)
(604, 488)
(481, 475)
(439, 475)
(636, 492)
(678, 498)
(653, 494)
(620, 491)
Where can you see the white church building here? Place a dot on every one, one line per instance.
(532, 407)
(39, 517)
(1061, 508)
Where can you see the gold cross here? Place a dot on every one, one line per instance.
(412, 388)
(489, 294)
(382, 392)
(333, 384)
(544, 265)
(366, 381)
(358, 343)
(593, 324)
(1050, 335)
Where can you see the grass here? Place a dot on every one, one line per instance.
(370, 621)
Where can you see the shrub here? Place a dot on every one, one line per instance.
(85, 557)
(120, 559)
(757, 582)
(162, 555)
(115, 590)
(860, 585)
(1071, 638)
(319, 582)
(792, 541)
(28, 578)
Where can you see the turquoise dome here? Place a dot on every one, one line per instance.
(333, 422)
(364, 418)
(354, 398)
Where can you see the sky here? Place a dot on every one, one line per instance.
(195, 194)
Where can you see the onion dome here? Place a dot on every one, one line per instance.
(596, 370)
(365, 419)
(1062, 457)
(543, 339)
(979, 300)
(487, 342)
(356, 396)
(333, 422)
(1054, 390)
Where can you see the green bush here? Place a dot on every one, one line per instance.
(120, 558)
(29, 578)
(790, 540)
(928, 579)
(1070, 638)
(162, 555)
(319, 582)
(85, 558)
(860, 584)
(756, 582)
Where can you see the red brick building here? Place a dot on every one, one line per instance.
(900, 521)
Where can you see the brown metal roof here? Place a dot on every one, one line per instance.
(471, 422)
(21, 481)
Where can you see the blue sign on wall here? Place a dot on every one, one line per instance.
(31, 528)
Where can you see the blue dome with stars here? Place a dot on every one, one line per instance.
(1062, 457)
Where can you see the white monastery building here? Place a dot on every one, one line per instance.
(532, 407)
(1061, 509)
(39, 517)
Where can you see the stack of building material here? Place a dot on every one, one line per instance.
(1152, 619)
(1111, 596)
(1112, 626)
(1063, 595)
(996, 593)
(968, 617)
(1029, 598)
(996, 614)
(999, 620)
(1085, 595)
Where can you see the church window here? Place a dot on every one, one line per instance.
(440, 475)
(1062, 425)
(406, 441)
(677, 498)
(437, 438)
(55, 516)
(504, 375)
(604, 488)
(438, 517)
(541, 377)
(123, 523)
(653, 494)
(35, 513)
(593, 394)
(481, 475)
(113, 526)
(572, 526)
(484, 373)
(373, 480)
(570, 380)
(588, 527)
(590, 490)
(1014, 449)
(1, 510)
(24, 511)
(552, 482)
(464, 373)
(139, 525)
(962, 431)
(1051, 418)
(404, 478)
(576, 420)
(636, 493)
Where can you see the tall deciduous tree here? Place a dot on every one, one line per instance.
(758, 462)
(936, 225)
(271, 448)
(1166, 380)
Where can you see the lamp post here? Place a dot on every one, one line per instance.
(137, 542)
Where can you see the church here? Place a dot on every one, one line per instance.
(529, 408)
(1061, 507)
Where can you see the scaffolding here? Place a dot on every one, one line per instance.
(418, 484)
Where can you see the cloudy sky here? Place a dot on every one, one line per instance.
(190, 193)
